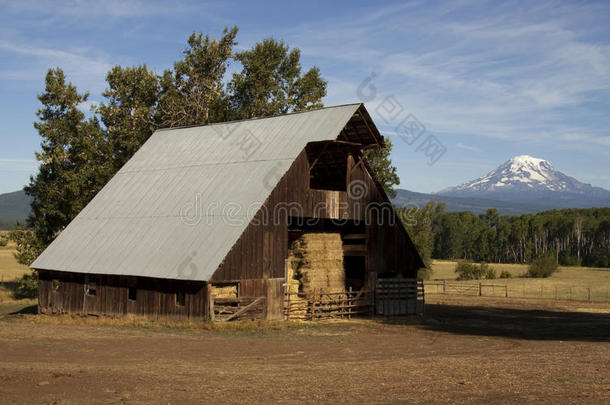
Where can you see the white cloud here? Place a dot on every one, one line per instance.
(467, 147)
(494, 73)
(83, 69)
(93, 8)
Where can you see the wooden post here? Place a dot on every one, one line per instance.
(480, 289)
(288, 294)
(589, 293)
(506, 290)
(555, 293)
(444, 286)
(210, 300)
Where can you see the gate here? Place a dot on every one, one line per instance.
(399, 296)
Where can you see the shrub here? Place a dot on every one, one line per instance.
(424, 273)
(467, 270)
(542, 267)
(488, 272)
(3, 241)
(505, 274)
(27, 286)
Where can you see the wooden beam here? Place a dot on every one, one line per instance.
(244, 309)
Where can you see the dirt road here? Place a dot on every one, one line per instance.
(459, 352)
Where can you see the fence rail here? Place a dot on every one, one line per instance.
(320, 304)
(519, 290)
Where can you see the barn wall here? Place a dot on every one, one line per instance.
(261, 250)
(154, 297)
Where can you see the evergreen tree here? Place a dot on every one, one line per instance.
(73, 160)
(383, 170)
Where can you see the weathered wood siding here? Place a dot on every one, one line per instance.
(155, 298)
(262, 248)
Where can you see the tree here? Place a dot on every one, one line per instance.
(192, 93)
(129, 113)
(419, 228)
(73, 160)
(383, 170)
(271, 83)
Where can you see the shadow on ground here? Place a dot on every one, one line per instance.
(515, 323)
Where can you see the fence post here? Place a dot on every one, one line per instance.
(444, 286)
(555, 293)
(589, 293)
(506, 290)
(570, 293)
(480, 289)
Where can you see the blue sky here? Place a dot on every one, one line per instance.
(488, 80)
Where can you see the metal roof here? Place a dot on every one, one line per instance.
(181, 202)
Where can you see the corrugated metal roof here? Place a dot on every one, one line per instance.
(181, 202)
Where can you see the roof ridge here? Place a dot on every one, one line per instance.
(256, 118)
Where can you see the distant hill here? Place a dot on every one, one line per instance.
(529, 180)
(474, 205)
(14, 207)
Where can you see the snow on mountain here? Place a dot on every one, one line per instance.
(526, 178)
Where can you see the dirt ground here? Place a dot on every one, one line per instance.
(463, 350)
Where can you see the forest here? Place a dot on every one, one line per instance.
(575, 237)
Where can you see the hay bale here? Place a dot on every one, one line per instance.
(316, 263)
(228, 291)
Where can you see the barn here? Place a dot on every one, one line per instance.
(273, 217)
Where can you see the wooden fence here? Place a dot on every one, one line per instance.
(321, 305)
(399, 296)
(519, 290)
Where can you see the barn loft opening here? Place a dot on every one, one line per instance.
(327, 165)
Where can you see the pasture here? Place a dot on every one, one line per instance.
(575, 283)
(10, 271)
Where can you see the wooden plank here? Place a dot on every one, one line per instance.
(244, 309)
(274, 298)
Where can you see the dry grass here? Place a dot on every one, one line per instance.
(9, 268)
(567, 283)
(10, 271)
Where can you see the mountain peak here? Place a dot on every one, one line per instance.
(527, 178)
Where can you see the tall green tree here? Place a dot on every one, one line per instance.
(129, 112)
(193, 93)
(270, 82)
(73, 158)
(383, 170)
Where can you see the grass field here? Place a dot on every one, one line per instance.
(567, 283)
(10, 271)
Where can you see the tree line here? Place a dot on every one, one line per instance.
(81, 151)
(572, 236)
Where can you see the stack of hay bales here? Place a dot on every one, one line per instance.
(228, 291)
(316, 263)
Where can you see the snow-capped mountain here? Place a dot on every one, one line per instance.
(528, 179)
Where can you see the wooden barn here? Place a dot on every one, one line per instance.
(274, 217)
